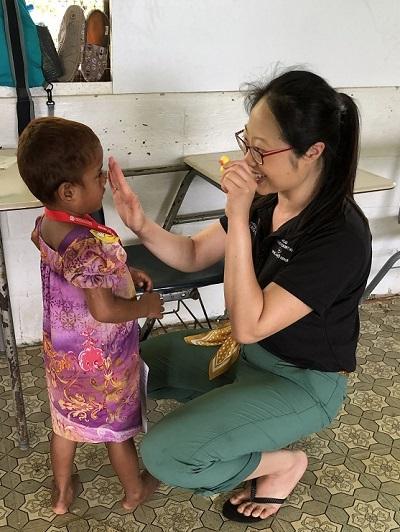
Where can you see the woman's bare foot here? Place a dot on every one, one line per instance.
(149, 485)
(278, 485)
(62, 500)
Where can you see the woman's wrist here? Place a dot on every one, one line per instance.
(238, 221)
(146, 232)
(143, 230)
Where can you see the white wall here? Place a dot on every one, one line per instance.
(209, 45)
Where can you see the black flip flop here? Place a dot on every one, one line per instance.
(229, 510)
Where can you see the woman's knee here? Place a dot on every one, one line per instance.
(152, 448)
(171, 453)
(163, 454)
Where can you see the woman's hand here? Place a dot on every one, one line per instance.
(239, 183)
(125, 200)
(141, 279)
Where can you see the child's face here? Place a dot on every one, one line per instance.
(90, 193)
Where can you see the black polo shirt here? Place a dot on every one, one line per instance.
(327, 270)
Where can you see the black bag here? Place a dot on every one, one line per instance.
(21, 42)
(51, 64)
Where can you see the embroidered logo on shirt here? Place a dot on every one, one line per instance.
(253, 227)
(282, 250)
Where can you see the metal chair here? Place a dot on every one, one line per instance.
(172, 284)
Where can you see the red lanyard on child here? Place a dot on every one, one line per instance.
(85, 220)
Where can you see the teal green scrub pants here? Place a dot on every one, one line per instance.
(215, 440)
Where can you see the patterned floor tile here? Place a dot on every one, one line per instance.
(352, 483)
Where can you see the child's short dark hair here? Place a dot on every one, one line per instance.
(52, 151)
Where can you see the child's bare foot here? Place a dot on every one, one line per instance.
(62, 500)
(149, 485)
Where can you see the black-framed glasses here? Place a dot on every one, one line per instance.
(257, 153)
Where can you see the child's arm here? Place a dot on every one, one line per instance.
(35, 237)
(105, 307)
(35, 233)
(141, 279)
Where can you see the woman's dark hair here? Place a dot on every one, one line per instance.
(52, 151)
(308, 110)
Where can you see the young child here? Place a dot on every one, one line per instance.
(90, 333)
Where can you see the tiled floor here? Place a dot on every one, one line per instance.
(352, 483)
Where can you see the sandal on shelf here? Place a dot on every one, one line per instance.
(229, 510)
(95, 50)
(71, 38)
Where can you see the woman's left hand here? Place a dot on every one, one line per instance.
(239, 184)
(141, 279)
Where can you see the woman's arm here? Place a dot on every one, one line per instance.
(183, 253)
(254, 313)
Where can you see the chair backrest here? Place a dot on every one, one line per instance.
(168, 279)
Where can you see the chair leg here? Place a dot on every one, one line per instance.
(203, 308)
(195, 320)
(195, 295)
(380, 275)
(146, 329)
(162, 326)
(176, 312)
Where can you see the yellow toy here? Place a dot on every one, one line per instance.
(222, 161)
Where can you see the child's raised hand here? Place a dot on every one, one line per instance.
(125, 200)
(153, 303)
(141, 279)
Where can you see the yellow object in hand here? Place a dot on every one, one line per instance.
(222, 161)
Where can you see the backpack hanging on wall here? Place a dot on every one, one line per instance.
(22, 67)
(16, 24)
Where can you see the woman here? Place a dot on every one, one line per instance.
(297, 255)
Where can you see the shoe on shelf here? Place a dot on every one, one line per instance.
(95, 50)
(51, 64)
(71, 38)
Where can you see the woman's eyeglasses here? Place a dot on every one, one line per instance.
(257, 154)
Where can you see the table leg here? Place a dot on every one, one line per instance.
(12, 354)
(179, 197)
(148, 325)
(389, 264)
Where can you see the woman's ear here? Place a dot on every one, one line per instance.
(314, 152)
(66, 192)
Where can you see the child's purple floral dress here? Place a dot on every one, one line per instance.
(95, 376)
